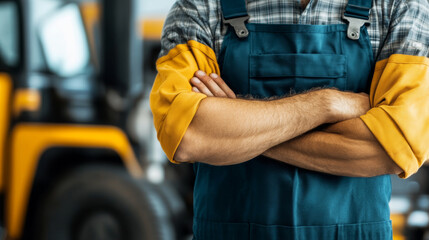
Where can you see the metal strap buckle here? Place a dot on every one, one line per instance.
(239, 26)
(353, 30)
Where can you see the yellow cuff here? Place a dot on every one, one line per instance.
(180, 115)
(172, 101)
(390, 137)
(400, 117)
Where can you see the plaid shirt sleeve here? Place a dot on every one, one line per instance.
(190, 20)
(408, 31)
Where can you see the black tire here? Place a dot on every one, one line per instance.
(103, 202)
(179, 215)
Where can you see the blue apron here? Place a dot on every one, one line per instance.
(265, 199)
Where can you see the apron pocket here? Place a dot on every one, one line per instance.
(370, 231)
(208, 230)
(279, 74)
(364, 231)
(279, 232)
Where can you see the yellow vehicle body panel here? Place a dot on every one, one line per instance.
(398, 225)
(5, 94)
(26, 100)
(151, 28)
(29, 141)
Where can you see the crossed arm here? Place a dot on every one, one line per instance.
(226, 131)
(346, 148)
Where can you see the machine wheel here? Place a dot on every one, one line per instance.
(103, 202)
(175, 204)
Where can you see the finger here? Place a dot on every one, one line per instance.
(195, 89)
(223, 85)
(210, 84)
(201, 87)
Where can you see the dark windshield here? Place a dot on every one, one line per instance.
(9, 30)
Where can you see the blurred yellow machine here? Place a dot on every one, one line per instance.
(68, 83)
(70, 168)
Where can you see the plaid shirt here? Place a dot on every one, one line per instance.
(397, 26)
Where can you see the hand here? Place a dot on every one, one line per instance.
(212, 86)
(347, 105)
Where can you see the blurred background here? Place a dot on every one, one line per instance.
(79, 155)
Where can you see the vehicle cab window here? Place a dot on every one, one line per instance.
(64, 42)
(9, 32)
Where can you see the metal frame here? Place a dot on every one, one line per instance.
(20, 66)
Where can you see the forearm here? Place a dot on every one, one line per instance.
(347, 148)
(229, 131)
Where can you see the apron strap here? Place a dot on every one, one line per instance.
(233, 8)
(357, 14)
(358, 9)
(234, 13)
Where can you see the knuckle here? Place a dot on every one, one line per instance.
(202, 87)
(206, 79)
(219, 93)
(198, 84)
(219, 81)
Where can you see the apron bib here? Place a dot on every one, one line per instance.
(266, 199)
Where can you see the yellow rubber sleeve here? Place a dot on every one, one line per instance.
(399, 118)
(172, 101)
